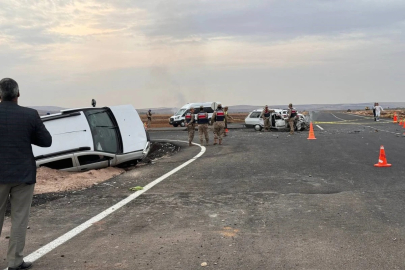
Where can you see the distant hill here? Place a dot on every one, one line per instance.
(248, 108)
(300, 107)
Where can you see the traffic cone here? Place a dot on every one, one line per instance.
(404, 125)
(226, 131)
(401, 122)
(395, 118)
(311, 132)
(382, 160)
(145, 126)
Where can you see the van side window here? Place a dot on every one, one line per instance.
(208, 110)
(59, 164)
(89, 159)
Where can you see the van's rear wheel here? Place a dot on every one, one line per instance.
(175, 125)
(182, 124)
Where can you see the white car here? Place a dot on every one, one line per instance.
(92, 138)
(278, 120)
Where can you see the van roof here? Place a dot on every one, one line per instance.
(198, 104)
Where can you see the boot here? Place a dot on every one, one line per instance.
(220, 141)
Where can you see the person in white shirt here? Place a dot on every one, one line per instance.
(378, 110)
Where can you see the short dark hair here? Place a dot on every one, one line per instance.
(8, 89)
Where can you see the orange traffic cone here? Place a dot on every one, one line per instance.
(311, 132)
(400, 122)
(382, 160)
(226, 131)
(145, 126)
(404, 125)
(395, 118)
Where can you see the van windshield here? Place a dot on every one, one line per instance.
(103, 130)
(180, 112)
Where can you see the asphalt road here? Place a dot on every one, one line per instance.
(263, 200)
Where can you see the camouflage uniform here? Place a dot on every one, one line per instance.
(266, 118)
(292, 115)
(149, 116)
(191, 128)
(219, 126)
(203, 126)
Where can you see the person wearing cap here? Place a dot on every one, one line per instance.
(292, 116)
(227, 118)
(218, 118)
(202, 120)
(149, 116)
(266, 117)
(190, 122)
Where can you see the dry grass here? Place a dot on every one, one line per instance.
(162, 120)
(384, 114)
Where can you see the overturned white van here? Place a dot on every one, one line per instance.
(93, 138)
(180, 117)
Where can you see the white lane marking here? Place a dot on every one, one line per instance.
(338, 117)
(319, 127)
(69, 235)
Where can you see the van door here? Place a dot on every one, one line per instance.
(94, 160)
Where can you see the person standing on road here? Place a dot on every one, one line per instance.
(19, 128)
(378, 110)
(375, 104)
(218, 118)
(202, 120)
(266, 117)
(190, 122)
(227, 118)
(149, 116)
(292, 116)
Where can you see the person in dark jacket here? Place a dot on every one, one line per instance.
(19, 128)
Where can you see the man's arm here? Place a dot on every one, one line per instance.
(41, 136)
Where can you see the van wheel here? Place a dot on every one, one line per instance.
(182, 124)
(258, 127)
(175, 125)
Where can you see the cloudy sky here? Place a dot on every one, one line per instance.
(169, 52)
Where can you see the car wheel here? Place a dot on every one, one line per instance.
(258, 127)
(182, 124)
(175, 125)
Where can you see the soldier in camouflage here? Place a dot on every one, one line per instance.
(190, 124)
(202, 120)
(218, 118)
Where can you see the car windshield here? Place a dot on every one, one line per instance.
(103, 130)
(180, 112)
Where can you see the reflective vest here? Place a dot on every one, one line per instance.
(266, 113)
(293, 112)
(188, 117)
(220, 116)
(202, 118)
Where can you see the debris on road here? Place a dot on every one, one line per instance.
(204, 264)
(136, 188)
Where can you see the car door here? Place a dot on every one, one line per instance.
(279, 121)
(90, 160)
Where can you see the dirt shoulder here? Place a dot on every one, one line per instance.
(385, 114)
(55, 181)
